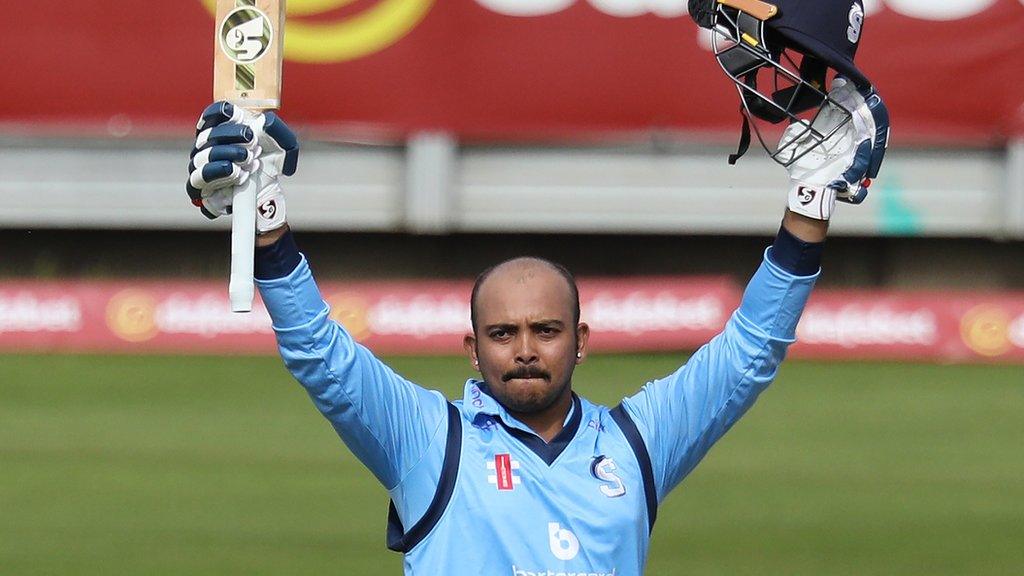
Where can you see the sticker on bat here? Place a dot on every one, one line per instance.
(246, 35)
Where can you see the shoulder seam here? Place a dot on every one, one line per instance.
(636, 443)
(400, 540)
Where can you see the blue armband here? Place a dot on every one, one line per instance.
(277, 260)
(796, 256)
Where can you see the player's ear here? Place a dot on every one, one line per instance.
(582, 338)
(469, 343)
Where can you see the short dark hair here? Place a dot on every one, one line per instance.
(574, 291)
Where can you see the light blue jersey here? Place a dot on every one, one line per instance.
(474, 491)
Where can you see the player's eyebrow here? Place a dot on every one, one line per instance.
(543, 323)
(547, 323)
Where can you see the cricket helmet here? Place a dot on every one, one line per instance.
(779, 55)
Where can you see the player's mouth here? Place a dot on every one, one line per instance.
(529, 380)
(526, 375)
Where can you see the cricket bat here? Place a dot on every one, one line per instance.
(247, 62)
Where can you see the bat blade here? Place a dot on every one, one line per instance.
(247, 66)
(249, 53)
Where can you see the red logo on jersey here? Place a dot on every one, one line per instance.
(504, 476)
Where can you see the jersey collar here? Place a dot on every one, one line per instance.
(478, 402)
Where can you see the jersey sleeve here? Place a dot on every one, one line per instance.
(387, 421)
(681, 416)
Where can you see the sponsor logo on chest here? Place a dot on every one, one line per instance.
(505, 475)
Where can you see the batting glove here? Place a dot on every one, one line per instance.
(231, 145)
(842, 166)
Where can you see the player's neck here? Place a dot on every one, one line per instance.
(548, 422)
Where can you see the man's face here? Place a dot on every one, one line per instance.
(525, 341)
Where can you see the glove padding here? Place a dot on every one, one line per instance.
(231, 145)
(841, 167)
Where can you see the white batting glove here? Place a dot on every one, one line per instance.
(841, 167)
(232, 144)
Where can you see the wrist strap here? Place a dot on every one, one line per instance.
(277, 260)
(796, 256)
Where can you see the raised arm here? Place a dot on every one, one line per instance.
(387, 421)
(681, 416)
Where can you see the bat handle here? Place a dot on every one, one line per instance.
(243, 244)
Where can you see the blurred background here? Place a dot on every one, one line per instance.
(146, 429)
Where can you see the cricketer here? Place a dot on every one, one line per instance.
(522, 476)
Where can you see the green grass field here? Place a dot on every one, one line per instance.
(210, 465)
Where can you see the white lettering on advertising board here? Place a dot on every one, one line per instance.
(854, 325)
(421, 316)
(943, 10)
(24, 312)
(636, 312)
(1016, 333)
(207, 316)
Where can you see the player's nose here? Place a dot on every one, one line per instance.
(526, 353)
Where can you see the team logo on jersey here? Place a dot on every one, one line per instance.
(504, 467)
(603, 468)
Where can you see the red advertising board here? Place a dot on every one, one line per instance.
(489, 69)
(625, 315)
(939, 326)
(388, 317)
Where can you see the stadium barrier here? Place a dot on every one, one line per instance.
(430, 317)
(530, 71)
